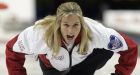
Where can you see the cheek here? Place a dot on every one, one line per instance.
(78, 29)
(63, 31)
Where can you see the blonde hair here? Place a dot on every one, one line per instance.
(53, 34)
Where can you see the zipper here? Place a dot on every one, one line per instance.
(70, 56)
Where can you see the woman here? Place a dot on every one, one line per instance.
(70, 44)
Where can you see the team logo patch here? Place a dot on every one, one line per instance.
(114, 43)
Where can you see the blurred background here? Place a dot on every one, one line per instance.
(16, 15)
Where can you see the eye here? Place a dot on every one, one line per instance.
(75, 25)
(66, 25)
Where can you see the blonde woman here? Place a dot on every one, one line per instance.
(70, 44)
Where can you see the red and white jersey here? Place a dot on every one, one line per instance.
(31, 41)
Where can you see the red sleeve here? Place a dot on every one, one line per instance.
(128, 58)
(14, 60)
(45, 61)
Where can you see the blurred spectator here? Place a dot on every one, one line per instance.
(3, 5)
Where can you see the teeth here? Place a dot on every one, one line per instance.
(70, 36)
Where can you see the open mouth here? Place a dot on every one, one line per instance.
(70, 37)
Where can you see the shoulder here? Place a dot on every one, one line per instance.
(95, 26)
(107, 38)
(32, 32)
(31, 39)
(93, 23)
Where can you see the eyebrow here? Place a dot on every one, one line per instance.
(75, 22)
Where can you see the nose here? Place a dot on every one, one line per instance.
(70, 30)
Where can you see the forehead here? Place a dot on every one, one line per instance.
(70, 18)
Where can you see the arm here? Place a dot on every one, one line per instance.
(14, 60)
(128, 58)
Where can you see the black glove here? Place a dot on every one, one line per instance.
(115, 74)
